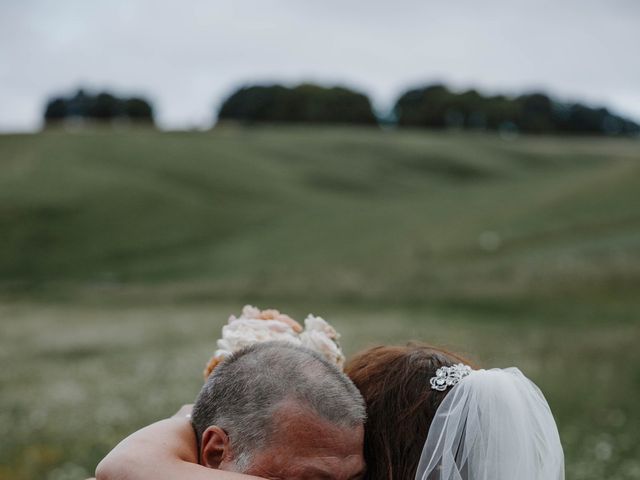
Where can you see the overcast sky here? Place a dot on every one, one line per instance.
(186, 56)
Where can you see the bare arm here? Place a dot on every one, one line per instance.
(165, 450)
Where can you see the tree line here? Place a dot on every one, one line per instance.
(436, 106)
(102, 107)
(432, 106)
(305, 103)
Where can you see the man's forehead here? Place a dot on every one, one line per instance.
(304, 445)
(324, 467)
(284, 466)
(297, 425)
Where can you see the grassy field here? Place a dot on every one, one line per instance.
(122, 253)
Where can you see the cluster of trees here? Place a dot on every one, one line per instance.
(100, 107)
(305, 103)
(436, 106)
(432, 106)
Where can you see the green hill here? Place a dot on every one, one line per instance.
(329, 214)
(122, 254)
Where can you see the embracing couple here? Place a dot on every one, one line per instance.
(278, 404)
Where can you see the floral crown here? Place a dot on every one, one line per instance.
(257, 326)
(449, 376)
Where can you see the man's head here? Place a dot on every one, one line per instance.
(280, 411)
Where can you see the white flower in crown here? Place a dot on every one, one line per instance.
(242, 332)
(449, 376)
(321, 337)
(257, 326)
(252, 313)
(319, 324)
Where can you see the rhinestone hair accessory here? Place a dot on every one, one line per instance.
(449, 376)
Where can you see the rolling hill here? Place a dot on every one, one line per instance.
(333, 214)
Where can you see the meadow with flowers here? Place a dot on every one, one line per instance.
(122, 254)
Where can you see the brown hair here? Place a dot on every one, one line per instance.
(394, 381)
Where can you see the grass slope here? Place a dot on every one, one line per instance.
(122, 253)
(329, 214)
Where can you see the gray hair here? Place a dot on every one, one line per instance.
(244, 391)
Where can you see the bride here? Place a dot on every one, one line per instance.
(430, 416)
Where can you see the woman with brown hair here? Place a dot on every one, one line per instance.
(393, 381)
(431, 416)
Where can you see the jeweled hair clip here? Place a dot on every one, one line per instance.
(449, 376)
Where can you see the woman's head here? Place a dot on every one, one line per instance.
(394, 381)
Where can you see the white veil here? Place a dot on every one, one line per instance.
(493, 425)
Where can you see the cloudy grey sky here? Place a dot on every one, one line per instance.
(186, 56)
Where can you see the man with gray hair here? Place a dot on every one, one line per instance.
(276, 410)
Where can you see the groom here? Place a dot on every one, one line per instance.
(273, 410)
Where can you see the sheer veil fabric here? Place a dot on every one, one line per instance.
(493, 425)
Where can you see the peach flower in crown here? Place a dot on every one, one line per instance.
(256, 326)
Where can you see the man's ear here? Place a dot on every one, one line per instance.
(216, 448)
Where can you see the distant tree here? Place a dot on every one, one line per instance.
(585, 119)
(255, 104)
(304, 103)
(101, 107)
(627, 127)
(138, 109)
(535, 113)
(56, 110)
(424, 107)
(471, 107)
(104, 106)
(435, 106)
(501, 113)
(79, 104)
